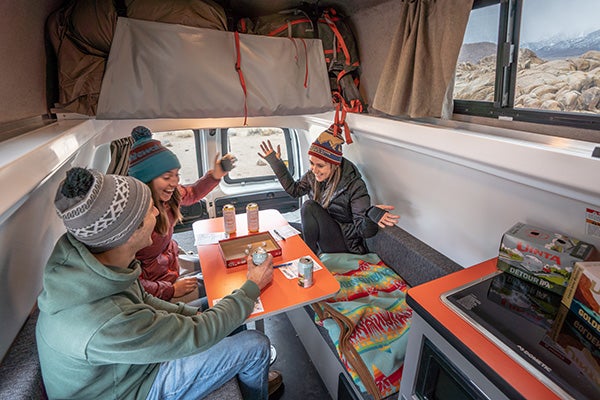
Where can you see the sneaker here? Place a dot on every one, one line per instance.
(275, 381)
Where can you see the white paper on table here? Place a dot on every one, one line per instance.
(209, 238)
(258, 306)
(290, 269)
(284, 232)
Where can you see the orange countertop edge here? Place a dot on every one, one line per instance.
(428, 297)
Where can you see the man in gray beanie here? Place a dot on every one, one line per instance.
(100, 335)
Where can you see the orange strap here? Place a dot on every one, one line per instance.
(340, 39)
(305, 58)
(306, 64)
(354, 106)
(243, 27)
(238, 68)
(282, 28)
(339, 123)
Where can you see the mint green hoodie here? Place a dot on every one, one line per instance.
(100, 335)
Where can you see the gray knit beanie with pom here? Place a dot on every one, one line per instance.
(101, 211)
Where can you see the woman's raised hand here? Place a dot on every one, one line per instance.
(267, 148)
(224, 165)
(388, 218)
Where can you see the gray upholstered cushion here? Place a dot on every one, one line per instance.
(21, 376)
(20, 373)
(412, 259)
(229, 391)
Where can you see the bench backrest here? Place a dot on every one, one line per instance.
(411, 258)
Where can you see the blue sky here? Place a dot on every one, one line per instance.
(541, 19)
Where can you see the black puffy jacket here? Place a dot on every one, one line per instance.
(349, 204)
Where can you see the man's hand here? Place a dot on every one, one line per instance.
(388, 219)
(184, 286)
(267, 148)
(261, 274)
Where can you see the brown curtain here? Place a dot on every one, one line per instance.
(417, 78)
(119, 156)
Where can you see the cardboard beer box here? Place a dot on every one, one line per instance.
(584, 287)
(542, 257)
(578, 341)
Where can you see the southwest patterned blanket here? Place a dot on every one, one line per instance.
(367, 320)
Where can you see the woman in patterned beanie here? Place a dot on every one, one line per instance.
(158, 167)
(339, 216)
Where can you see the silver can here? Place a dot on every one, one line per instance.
(259, 255)
(305, 272)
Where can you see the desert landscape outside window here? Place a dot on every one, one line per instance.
(524, 57)
(244, 143)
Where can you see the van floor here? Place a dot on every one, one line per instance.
(301, 380)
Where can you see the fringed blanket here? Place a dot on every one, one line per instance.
(367, 320)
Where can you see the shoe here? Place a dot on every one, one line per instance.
(275, 381)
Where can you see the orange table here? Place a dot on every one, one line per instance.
(282, 294)
(428, 297)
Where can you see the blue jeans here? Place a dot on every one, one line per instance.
(201, 303)
(246, 354)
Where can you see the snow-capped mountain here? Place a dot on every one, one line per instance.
(557, 48)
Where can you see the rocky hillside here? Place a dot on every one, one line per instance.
(570, 84)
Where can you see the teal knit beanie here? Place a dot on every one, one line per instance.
(148, 158)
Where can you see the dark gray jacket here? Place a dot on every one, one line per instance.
(349, 205)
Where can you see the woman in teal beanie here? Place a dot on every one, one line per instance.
(158, 167)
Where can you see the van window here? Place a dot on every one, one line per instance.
(531, 60)
(183, 144)
(245, 142)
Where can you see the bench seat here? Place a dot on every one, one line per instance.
(411, 259)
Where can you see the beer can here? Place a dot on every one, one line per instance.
(259, 255)
(305, 272)
(252, 214)
(229, 218)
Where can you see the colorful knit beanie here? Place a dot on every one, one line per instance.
(101, 211)
(148, 158)
(327, 147)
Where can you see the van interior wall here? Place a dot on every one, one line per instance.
(26, 239)
(460, 191)
(31, 168)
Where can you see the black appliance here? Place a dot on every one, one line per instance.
(532, 327)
